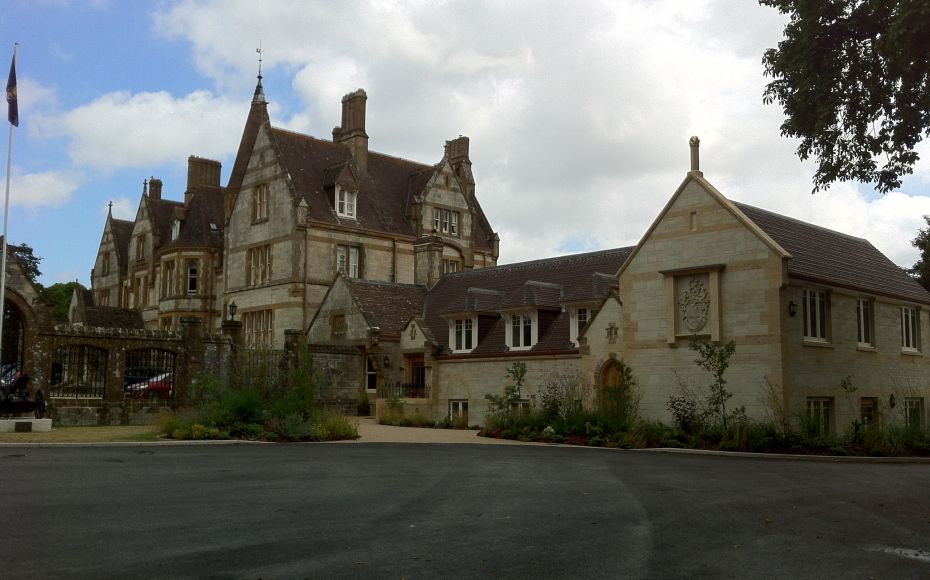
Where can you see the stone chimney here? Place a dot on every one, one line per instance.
(352, 131)
(427, 260)
(201, 173)
(154, 188)
(457, 154)
(695, 154)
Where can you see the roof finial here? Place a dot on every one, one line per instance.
(259, 96)
(110, 207)
(145, 187)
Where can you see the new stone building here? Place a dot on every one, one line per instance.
(297, 210)
(826, 327)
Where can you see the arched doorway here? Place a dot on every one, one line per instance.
(616, 392)
(12, 349)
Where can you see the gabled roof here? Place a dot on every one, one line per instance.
(311, 162)
(837, 259)
(386, 305)
(384, 191)
(122, 235)
(205, 208)
(525, 284)
(161, 213)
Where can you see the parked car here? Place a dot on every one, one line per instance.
(135, 375)
(157, 387)
(8, 373)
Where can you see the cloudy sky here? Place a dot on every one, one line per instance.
(579, 113)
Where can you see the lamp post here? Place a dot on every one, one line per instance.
(232, 310)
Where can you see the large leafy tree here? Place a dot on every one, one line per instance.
(921, 269)
(853, 77)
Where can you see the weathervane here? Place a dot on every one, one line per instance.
(259, 51)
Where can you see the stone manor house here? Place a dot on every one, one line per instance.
(388, 267)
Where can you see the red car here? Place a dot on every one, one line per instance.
(158, 387)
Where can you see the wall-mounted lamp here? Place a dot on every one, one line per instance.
(232, 310)
(792, 308)
(892, 401)
(387, 361)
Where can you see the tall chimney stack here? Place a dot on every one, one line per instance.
(154, 188)
(695, 154)
(201, 173)
(352, 131)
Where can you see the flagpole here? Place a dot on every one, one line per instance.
(6, 219)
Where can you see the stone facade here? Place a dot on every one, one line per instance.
(296, 211)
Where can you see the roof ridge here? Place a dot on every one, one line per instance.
(382, 283)
(554, 259)
(741, 205)
(422, 166)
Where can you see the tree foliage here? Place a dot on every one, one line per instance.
(28, 260)
(921, 269)
(59, 296)
(853, 78)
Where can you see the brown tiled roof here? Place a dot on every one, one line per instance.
(384, 193)
(387, 305)
(112, 317)
(545, 278)
(205, 208)
(161, 212)
(122, 235)
(830, 257)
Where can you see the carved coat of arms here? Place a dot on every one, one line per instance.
(694, 305)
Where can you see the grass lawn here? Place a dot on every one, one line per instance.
(130, 433)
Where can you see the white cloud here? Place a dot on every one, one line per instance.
(123, 208)
(142, 130)
(579, 117)
(47, 189)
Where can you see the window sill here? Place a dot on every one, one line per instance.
(259, 220)
(518, 348)
(866, 348)
(817, 343)
(911, 352)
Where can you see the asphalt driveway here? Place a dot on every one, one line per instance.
(453, 511)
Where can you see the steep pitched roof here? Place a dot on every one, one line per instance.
(203, 223)
(830, 257)
(525, 284)
(384, 192)
(162, 212)
(386, 305)
(122, 235)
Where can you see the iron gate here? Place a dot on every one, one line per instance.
(78, 371)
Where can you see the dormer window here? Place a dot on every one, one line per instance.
(345, 203)
(520, 331)
(579, 319)
(463, 334)
(175, 229)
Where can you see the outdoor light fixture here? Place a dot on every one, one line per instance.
(232, 310)
(892, 401)
(792, 308)
(387, 361)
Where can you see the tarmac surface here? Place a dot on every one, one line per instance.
(379, 508)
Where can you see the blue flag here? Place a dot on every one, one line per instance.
(13, 114)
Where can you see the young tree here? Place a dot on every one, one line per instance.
(852, 77)
(921, 269)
